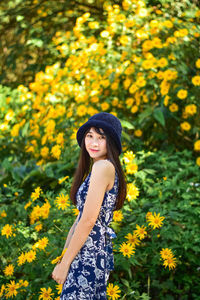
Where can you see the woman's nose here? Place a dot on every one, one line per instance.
(95, 141)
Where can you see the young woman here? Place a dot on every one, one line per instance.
(98, 188)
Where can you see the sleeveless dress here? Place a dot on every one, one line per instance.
(90, 269)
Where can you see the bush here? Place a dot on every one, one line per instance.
(167, 183)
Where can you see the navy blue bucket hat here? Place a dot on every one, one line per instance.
(108, 122)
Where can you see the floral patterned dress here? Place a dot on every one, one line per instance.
(90, 269)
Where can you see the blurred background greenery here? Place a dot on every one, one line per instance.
(60, 63)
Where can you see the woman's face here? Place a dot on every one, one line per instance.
(95, 144)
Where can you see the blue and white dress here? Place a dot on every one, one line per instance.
(90, 269)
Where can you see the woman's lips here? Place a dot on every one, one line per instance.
(94, 150)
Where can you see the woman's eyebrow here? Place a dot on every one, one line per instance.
(99, 134)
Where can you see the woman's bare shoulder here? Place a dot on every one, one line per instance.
(104, 165)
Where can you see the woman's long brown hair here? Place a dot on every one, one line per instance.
(85, 165)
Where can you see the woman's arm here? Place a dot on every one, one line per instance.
(69, 236)
(101, 174)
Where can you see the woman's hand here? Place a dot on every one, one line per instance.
(60, 272)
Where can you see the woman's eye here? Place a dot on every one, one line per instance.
(90, 136)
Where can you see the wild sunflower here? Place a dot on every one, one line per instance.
(127, 249)
(46, 294)
(113, 291)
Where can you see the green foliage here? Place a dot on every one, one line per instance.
(142, 276)
(26, 31)
(177, 199)
(80, 70)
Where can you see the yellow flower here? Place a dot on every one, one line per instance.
(62, 179)
(131, 168)
(35, 195)
(138, 133)
(132, 192)
(129, 101)
(104, 106)
(168, 24)
(128, 156)
(58, 258)
(113, 291)
(11, 289)
(127, 249)
(44, 151)
(93, 25)
(62, 201)
(196, 80)
(23, 283)
(173, 107)
(9, 270)
(75, 211)
(21, 259)
(198, 161)
(182, 94)
(27, 205)
(198, 63)
(41, 244)
(148, 215)
(132, 239)
(2, 290)
(15, 130)
(190, 109)
(197, 145)
(44, 210)
(134, 109)
(56, 152)
(170, 262)
(170, 74)
(155, 220)
(30, 255)
(46, 294)
(162, 62)
(7, 230)
(104, 34)
(133, 88)
(59, 288)
(141, 81)
(117, 216)
(165, 253)
(185, 126)
(38, 227)
(140, 231)
(3, 214)
(124, 39)
(35, 214)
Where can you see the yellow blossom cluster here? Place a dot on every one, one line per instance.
(89, 81)
(168, 258)
(41, 244)
(35, 195)
(11, 289)
(28, 256)
(132, 192)
(40, 212)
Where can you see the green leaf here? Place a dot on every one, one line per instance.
(158, 115)
(146, 113)
(35, 42)
(127, 124)
(19, 18)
